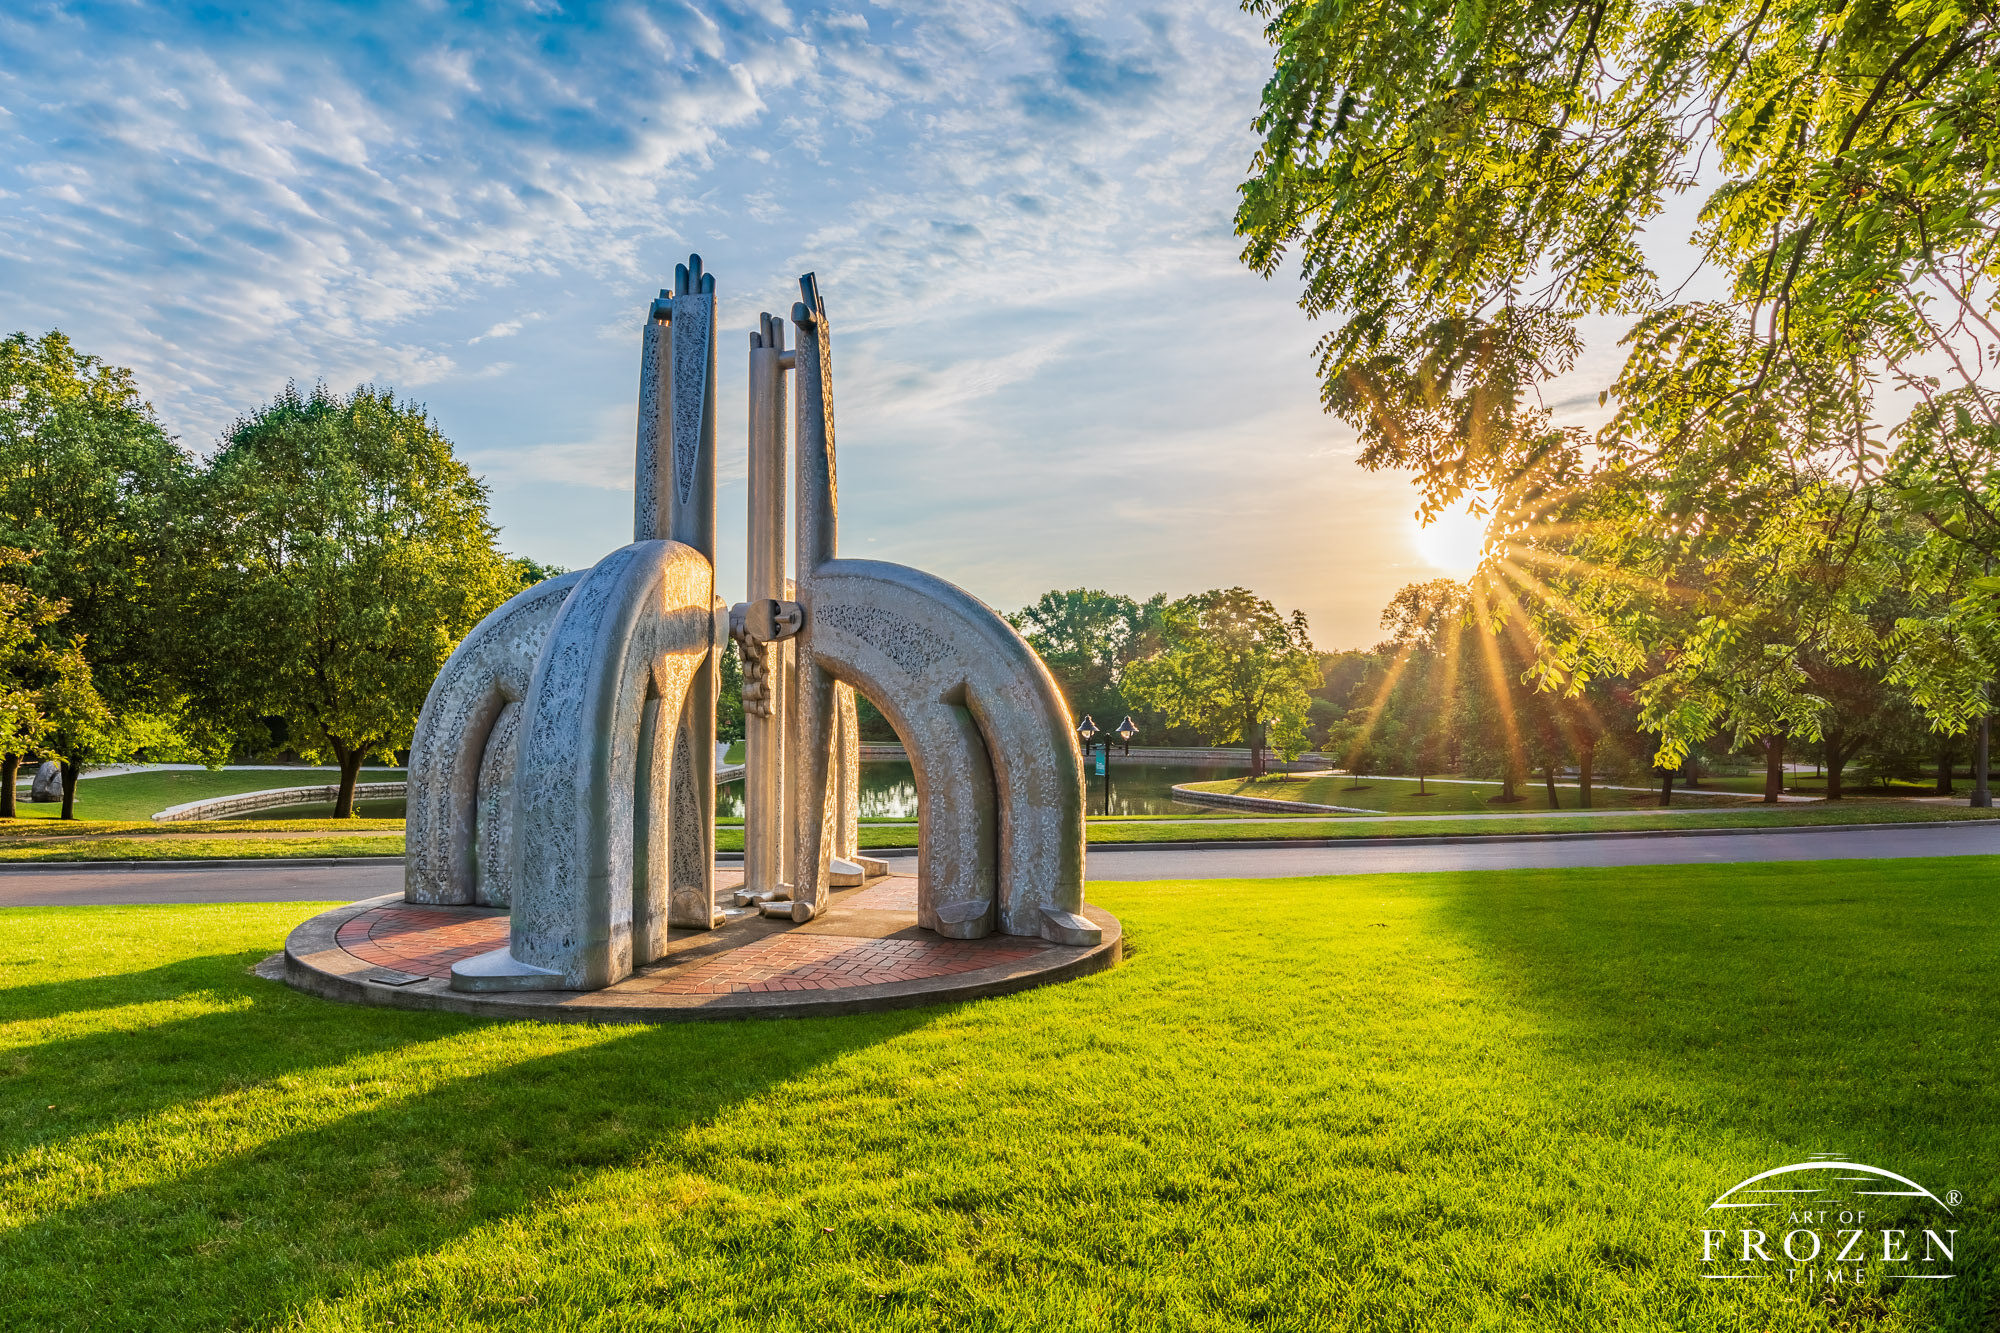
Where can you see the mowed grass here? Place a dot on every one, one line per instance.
(1422, 1102)
(1814, 784)
(1340, 827)
(196, 840)
(137, 796)
(1400, 796)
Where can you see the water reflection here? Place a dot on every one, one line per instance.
(889, 789)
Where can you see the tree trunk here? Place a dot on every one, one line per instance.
(1586, 759)
(69, 775)
(1549, 778)
(1947, 751)
(10, 776)
(1693, 772)
(1837, 751)
(1982, 793)
(1666, 786)
(350, 771)
(1774, 768)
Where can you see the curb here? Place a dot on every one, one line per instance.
(1449, 840)
(1220, 844)
(274, 862)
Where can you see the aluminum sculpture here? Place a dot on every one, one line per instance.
(563, 765)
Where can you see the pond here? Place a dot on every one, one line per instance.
(889, 791)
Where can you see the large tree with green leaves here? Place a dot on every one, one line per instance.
(1229, 666)
(351, 552)
(91, 488)
(46, 694)
(1462, 187)
(1087, 637)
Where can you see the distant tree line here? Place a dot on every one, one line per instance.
(293, 593)
(1447, 690)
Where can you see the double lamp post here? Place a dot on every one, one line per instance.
(1090, 733)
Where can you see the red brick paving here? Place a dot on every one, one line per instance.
(423, 940)
(428, 940)
(793, 962)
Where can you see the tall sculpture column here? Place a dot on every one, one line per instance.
(612, 839)
(675, 500)
(766, 682)
(815, 710)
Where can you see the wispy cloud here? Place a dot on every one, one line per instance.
(1020, 216)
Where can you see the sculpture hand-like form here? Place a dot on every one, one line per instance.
(465, 751)
(564, 762)
(998, 774)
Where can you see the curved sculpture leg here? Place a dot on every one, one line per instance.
(493, 823)
(608, 691)
(460, 758)
(947, 671)
(844, 868)
(958, 852)
(812, 769)
(690, 868)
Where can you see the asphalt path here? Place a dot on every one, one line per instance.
(193, 882)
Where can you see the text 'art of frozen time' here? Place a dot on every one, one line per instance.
(564, 763)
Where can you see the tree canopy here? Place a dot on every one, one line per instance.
(1229, 665)
(352, 553)
(90, 496)
(1808, 423)
(1087, 637)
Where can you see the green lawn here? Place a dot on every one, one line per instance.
(1361, 826)
(1431, 1102)
(141, 795)
(1809, 784)
(1399, 796)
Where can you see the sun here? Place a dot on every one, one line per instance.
(1451, 542)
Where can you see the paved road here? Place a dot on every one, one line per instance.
(251, 883)
(196, 883)
(1981, 839)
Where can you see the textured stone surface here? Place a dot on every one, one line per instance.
(565, 761)
(47, 785)
(625, 647)
(490, 670)
(990, 739)
(493, 842)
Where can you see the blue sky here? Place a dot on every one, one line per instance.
(1051, 370)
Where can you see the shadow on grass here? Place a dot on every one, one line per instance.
(224, 974)
(1790, 1009)
(311, 1213)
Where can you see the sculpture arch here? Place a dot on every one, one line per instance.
(458, 742)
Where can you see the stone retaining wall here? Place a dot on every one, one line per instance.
(222, 807)
(1182, 792)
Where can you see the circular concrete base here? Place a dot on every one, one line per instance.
(866, 952)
